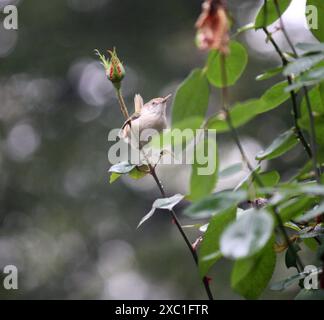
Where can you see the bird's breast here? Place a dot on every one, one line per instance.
(156, 122)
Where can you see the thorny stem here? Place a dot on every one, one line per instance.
(293, 96)
(152, 172)
(255, 175)
(184, 236)
(313, 137)
(308, 104)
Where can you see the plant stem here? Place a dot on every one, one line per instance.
(293, 96)
(283, 28)
(184, 236)
(313, 137)
(122, 104)
(255, 175)
(308, 103)
(162, 191)
(228, 117)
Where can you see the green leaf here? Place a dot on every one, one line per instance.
(275, 96)
(286, 283)
(269, 73)
(309, 78)
(204, 169)
(294, 192)
(236, 62)
(114, 176)
(312, 214)
(303, 173)
(163, 203)
(311, 232)
(310, 47)
(268, 179)
(209, 247)
(302, 64)
(295, 207)
(243, 112)
(285, 142)
(244, 183)
(247, 235)
(167, 203)
(231, 170)
(215, 203)
(138, 172)
(244, 28)
(316, 96)
(251, 276)
(135, 172)
(319, 31)
(292, 226)
(314, 75)
(191, 100)
(310, 243)
(290, 257)
(122, 167)
(309, 188)
(268, 13)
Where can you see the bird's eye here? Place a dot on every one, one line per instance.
(154, 103)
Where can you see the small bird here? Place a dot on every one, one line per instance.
(151, 115)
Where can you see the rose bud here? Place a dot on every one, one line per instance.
(115, 70)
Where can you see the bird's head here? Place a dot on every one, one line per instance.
(156, 105)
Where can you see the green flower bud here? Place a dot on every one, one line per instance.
(115, 70)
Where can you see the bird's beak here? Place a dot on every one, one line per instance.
(167, 97)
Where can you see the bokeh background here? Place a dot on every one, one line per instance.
(70, 233)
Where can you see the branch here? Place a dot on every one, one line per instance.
(308, 104)
(162, 191)
(293, 96)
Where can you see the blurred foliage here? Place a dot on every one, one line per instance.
(69, 232)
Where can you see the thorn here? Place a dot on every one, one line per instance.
(196, 243)
(209, 279)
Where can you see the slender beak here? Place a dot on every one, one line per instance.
(167, 97)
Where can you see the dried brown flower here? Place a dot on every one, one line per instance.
(213, 27)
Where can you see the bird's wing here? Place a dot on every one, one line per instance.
(126, 127)
(138, 102)
(133, 117)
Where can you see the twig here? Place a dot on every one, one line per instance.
(152, 172)
(184, 236)
(228, 117)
